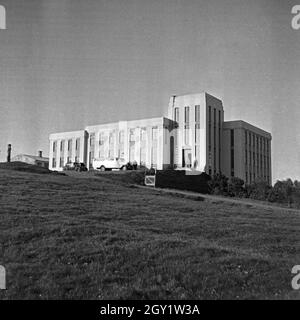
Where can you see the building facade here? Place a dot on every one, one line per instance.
(198, 138)
(192, 136)
(246, 152)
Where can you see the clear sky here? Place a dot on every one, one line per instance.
(65, 64)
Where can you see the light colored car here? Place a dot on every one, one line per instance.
(109, 164)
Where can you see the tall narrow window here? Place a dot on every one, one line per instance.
(215, 140)
(186, 114)
(154, 147)
(176, 114)
(197, 124)
(77, 149)
(143, 148)
(121, 145)
(186, 125)
(197, 113)
(111, 150)
(219, 140)
(232, 152)
(132, 145)
(62, 151)
(92, 149)
(209, 130)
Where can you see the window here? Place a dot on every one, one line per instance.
(54, 146)
(249, 139)
(101, 138)
(186, 134)
(232, 138)
(209, 129)
(131, 135)
(197, 133)
(143, 149)
(111, 151)
(77, 146)
(154, 147)
(131, 145)
(92, 149)
(176, 114)
(219, 140)
(62, 144)
(197, 113)
(121, 136)
(232, 152)
(215, 140)
(69, 145)
(53, 162)
(187, 115)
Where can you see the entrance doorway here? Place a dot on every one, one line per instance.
(187, 158)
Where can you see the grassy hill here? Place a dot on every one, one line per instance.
(96, 238)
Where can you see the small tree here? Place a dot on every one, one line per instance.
(282, 192)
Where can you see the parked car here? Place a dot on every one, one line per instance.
(109, 164)
(80, 166)
(77, 166)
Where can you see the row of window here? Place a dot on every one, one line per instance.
(69, 145)
(110, 152)
(61, 161)
(187, 114)
(255, 141)
(251, 177)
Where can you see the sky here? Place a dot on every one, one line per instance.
(66, 64)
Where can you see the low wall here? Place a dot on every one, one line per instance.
(178, 179)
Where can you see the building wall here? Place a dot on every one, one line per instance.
(67, 147)
(198, 136)
(145, 141)
(251, 152)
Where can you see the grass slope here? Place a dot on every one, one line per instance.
(64, 237)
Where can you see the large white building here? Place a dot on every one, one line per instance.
(193, 135)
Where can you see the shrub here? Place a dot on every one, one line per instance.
(258, 190)
(236, 187)
(218, 184)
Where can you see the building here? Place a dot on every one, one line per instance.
(246, 152)
(194, 135)
(38, 160)
(198, 139)
(67, 147)
(146, 141)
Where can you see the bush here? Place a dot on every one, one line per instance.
(236, 187)
(218, 184)
(258, 190)
(285, 192)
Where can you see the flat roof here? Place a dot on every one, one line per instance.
(234, 124)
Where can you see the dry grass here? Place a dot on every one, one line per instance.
(66, 238)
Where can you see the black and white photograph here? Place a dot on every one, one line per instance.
(149, 151)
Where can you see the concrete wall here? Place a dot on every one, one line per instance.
(64, 154)
(254, 167)
(204, 159)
